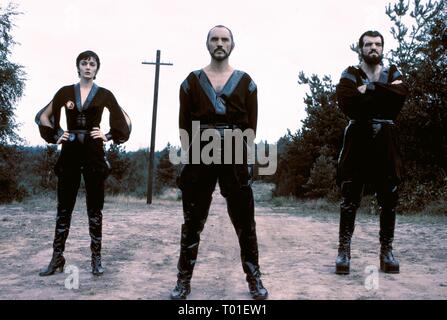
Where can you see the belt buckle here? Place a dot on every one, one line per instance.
(376, 127)
(71, 137)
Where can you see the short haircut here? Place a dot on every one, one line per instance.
(370, 33)
(84, 56)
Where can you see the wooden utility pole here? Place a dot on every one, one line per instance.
(157, 64)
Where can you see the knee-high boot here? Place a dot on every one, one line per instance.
(95, 230)
(346, 230)
(388, 263)
(387, 197)
(351, 196)
(62, 229)
(189, 243)
(240, 204)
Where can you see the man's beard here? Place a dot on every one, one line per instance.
(372, 60)
(220, 57)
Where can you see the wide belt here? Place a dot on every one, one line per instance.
(78, 135)
(220, 127)
(376, 124)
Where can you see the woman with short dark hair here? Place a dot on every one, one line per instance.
(82, 153)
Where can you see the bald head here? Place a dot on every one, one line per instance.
(219, 43)
(219, 26)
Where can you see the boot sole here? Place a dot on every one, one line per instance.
(342, 270)
(179, 297)
(57, 270)
(256, 297)
(388, 269)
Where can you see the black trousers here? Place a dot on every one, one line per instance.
(198, 183)
(387, 198)
(69, 178)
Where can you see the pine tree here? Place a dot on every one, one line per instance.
(166, 172)
(422, 57)
(119, 162)
(322, 175)
(323, 126)
(46, 165)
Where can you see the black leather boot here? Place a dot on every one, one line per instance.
(255, 286)
(257, 289)
(186, 263)
(347, 221)
(61, 232)
(195, 211)
(56, 265)
(97, 268)
(388, 263)
(343, 260)
(387, 197)
(181, 290)
(95, 228)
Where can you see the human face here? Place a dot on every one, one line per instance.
(87, 68)
(219, 44)
(372, 51)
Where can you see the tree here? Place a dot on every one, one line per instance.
(47, 161)
(116, 182)
(12, 79)
(11, 89)
(323, 126)
(10, 187)
(136, 178)
(321, 182)
(165, 172)
(421, 55)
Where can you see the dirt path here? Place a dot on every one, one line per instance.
(141, 244)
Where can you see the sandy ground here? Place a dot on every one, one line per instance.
(297, 245)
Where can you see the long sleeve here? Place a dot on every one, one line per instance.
(120, 124)
(391, 96)
(252, 106)
(48, 120)
(185, 113)
(354, 104)
(381, 100)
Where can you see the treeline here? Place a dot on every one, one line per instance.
(28, 171)
(307, 163)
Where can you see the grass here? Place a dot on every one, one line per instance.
(263, 194)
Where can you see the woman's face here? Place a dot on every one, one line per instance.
(87, 68)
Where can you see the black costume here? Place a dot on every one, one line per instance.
(81, 154)
(370, 155)
(234, 107)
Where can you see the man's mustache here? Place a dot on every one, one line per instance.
(219, 49)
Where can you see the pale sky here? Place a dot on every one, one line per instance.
(275, 40)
